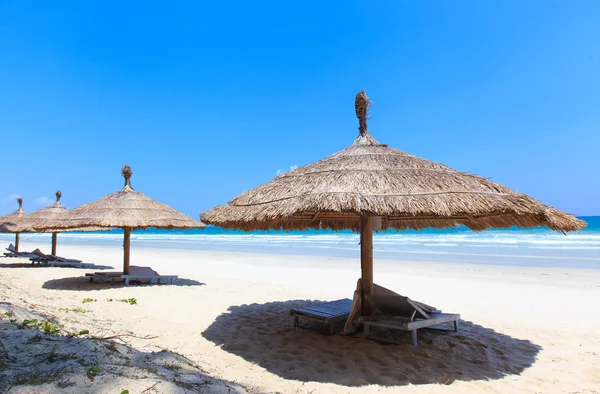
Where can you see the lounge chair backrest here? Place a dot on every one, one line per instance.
(141, 271)
(11, 248)
(396, 306)
(38, 252)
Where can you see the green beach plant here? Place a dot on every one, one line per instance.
(49, 328)
(130, 301)
(92, 371)
(45, 326)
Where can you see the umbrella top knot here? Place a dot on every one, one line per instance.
(126, 171)
(20, 201)
(58, 195)
(361, 106)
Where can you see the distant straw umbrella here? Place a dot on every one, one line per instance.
(12, 223)
(126, 209)
(47, 215)
(370, 186)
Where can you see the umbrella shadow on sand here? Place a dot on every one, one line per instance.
(83, 284)
(263, 334)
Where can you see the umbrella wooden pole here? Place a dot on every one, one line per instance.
(366, 257)
(54, 236)
(17, 237)
(126, 243)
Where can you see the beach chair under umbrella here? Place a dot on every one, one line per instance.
(126, 209)
(369, 186)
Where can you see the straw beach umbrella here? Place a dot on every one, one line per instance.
(12, 223)
(369, 186)
(48, 215)
(126, 209)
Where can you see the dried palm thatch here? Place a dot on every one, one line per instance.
(127, 209)
(369, 178)
(49, 216)
(402, 191)
(13, 222)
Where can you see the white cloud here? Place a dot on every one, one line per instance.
(10, 199)
(43, 201)
(292, 168)
(278, 172)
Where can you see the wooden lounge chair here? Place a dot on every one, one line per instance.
(401, 313)
(12, 252)
(147, 274)
(328, 313)
(56, 261)
(105, 277)
(136, 273)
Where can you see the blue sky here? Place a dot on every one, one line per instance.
(206, 100)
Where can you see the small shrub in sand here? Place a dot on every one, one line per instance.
(78, 334)
(45, 326)
(92, 371)
(49, 328)
(29, 322)
(130, 301)
(86, 300)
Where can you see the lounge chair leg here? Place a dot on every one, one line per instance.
(414, 338)
(296, 318)
(367, 330)
(455, 325)
(331, 329)
(126, 281)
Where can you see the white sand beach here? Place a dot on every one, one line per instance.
(226, 322)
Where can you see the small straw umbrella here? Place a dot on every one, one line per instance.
(369, 187)
(47, 215)
(126, 209)
(12, 223)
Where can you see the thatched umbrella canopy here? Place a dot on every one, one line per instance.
(127, 209)
(13, 223)
(370, 184)
(48, 216)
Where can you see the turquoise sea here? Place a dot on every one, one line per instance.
(531, 247)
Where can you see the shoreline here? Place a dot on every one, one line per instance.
(482, 256)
